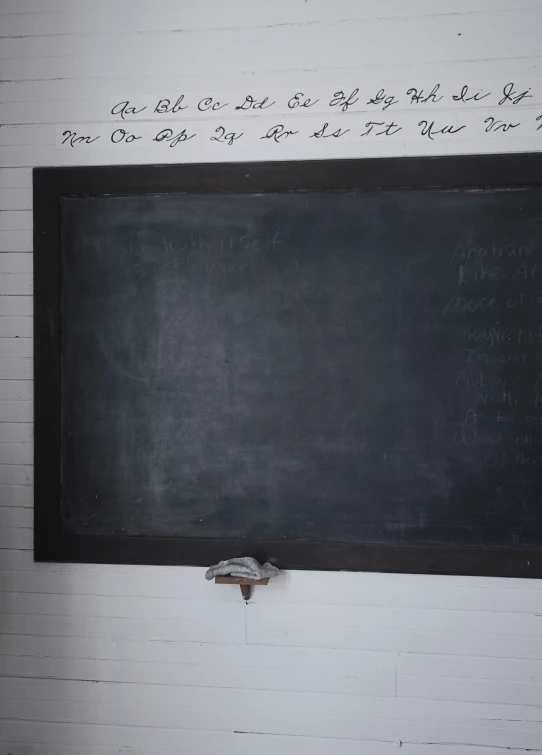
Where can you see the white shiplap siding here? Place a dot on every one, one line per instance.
(119, 660)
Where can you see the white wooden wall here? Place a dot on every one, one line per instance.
(113, 660)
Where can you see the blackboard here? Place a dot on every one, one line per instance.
(330, 370)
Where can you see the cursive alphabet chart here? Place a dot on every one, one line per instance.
(429, 116)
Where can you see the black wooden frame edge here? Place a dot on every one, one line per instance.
(309, 175)
(46, 345)
(50, 184)
(489, 562)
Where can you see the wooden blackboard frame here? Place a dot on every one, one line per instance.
(51, 184)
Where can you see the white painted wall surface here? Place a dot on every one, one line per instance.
(113, 660)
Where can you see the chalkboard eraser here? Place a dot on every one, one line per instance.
(244, 583)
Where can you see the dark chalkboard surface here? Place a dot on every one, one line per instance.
(332, 370)
(358, 366)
